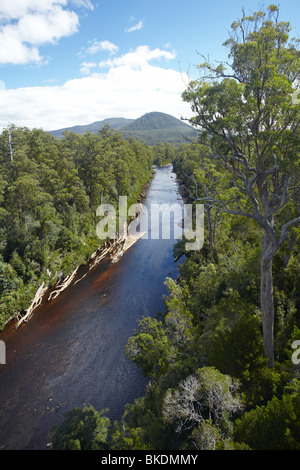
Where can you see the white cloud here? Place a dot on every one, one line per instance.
(136, 27)
(138, 58)
(15, 9)
(125, 90)
(13, 51)
(97, 46)
(85, 68)
(25, 25)
(50, 80)
(37, 29)
(83, 3)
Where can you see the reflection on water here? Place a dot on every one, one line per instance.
(71, 352)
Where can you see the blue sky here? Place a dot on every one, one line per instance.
(68, 62)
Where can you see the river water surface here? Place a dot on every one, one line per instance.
(71, 352)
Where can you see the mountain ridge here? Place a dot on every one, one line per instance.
(153, 127)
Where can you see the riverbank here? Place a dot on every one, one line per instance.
(113, 248)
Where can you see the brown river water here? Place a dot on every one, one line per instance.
(71, 352)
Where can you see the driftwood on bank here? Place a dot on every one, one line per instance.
(98, 255)
(115, 248)
(37, 300)
(125, 245)
(63, 285)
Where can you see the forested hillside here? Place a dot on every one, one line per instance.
(151, 128)
(94, 127)
(49, 192)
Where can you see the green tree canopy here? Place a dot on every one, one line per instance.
(250, 125)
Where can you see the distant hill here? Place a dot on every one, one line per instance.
(151, 128)
(94, 127)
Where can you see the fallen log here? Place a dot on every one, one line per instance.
(63, 285)
(96, 257)
(37, 300)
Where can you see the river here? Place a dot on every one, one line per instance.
(71, 352)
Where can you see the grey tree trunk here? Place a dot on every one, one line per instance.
(266, 298)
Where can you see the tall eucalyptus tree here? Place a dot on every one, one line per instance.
(248, 111)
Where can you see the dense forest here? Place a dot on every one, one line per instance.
(210, 386)
(221, 361)
(49, 192)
